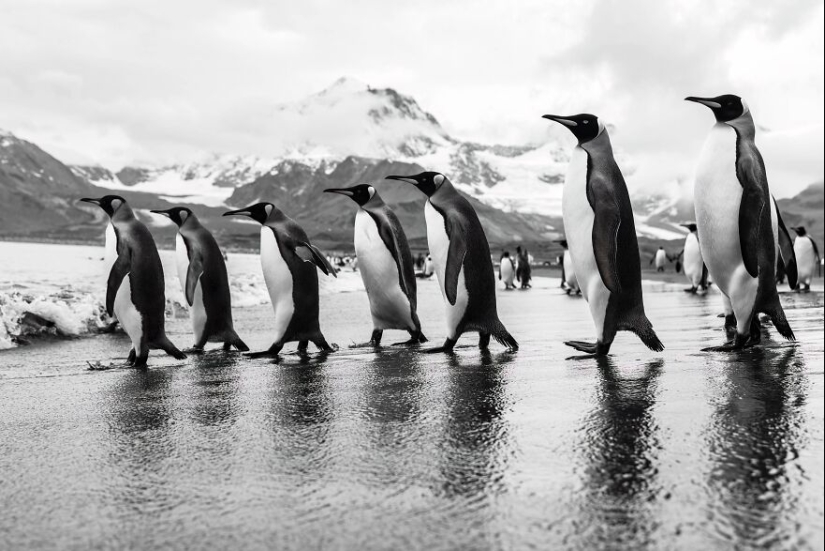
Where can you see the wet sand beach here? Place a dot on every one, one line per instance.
(393, 449)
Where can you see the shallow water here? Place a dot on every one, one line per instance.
(395, 449)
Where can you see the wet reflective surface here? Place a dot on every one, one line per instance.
(398, 450)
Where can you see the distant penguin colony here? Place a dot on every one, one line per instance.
(739, 241)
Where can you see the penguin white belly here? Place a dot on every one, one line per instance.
(197, 312)
(693, 260)
(278, 280)
(578, 227)
(570, 271)
(389, 306)
(507, 271)
(127, 315)
(717, 199)
(805, 259)
(661, 259)
(439, 244)
(110, 251)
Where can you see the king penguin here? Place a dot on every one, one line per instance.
(568, 272)
(135, 291)
(739, 228)
(204, 281)
(463, 265)
(598, 222)
(695, 269)
(807, 257)
(386, 265)
(289, 264)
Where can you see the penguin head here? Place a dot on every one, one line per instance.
(178, 215)
(109, 203)
(427, 182)
(361, 194)
(800, 230)
(725, 108)
(584, 126)
(691, 227)
(259, 212)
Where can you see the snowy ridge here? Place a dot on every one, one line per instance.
(351, 118)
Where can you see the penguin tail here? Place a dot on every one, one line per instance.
(166, 345)
(504, 337)
(231, 338)
(644, 330)
(777, 314)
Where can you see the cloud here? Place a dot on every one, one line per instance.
(162, 81)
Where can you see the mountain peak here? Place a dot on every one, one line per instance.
(344, 85)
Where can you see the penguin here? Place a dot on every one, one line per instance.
(386, 265)
(289, 261)
(135, 291)
(462, 261)
(695, 269)
(739, 227)
(807, 257)
(568, 272)
(660, 258)
(507, 270)
(204, 281)
(599, 226)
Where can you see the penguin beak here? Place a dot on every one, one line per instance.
(92, 201)
(165, 213)
(340, 191)
(405, 179)
(560, 120)
(707, 102)
(239, 212)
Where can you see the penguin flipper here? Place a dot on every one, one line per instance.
(606, 225)
(120, 269)
(192, 275)
(752, 209)
(786, 252)
(392, 234)
(310, 253)
(455, 261)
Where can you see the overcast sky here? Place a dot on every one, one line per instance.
(160, 80)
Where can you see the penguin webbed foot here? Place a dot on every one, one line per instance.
(594, 349)
(739, 342)
(691, 290)
(446, 348)
(261, 354)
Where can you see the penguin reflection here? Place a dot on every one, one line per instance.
(473, 456)
(216, 379)
(141, 439)
(301, 416)
(754, 437)
(620, 446)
